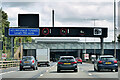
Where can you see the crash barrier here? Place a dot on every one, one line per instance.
(7, 64)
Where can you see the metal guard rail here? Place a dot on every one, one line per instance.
(8, 64)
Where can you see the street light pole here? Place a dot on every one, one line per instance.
(114, 28)
(53, 18)
(94, 38)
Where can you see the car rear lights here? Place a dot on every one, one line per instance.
(100, 62)
(20, 61)
(60, 63)
(80, 60)
(74, 62)
(33, 61)
(115, 61)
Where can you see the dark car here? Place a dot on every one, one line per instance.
(28, 62)
(79, 60)
(106, 62)
(67, 63)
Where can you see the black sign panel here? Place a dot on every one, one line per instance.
(28, 20)
(73, 32)
(60, 32)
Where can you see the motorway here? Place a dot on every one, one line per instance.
(85, 71)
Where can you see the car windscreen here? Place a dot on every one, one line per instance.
(108, 59)
(67, 59)
(27, 58)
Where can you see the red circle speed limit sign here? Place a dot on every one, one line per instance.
(4, 56)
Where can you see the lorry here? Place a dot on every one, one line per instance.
(43, 56)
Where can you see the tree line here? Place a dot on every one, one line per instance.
(7, 40)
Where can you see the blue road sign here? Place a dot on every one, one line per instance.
(24, 32)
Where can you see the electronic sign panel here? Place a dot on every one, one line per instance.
(28, 20)
(73, 32)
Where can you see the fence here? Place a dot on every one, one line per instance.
(7, 64)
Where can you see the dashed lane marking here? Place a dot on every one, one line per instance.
(106, 73)
(41, 75)
(90, 74)
(46, 70)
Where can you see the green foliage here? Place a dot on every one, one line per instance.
(118, 38)
(23, 40)
(6, 40)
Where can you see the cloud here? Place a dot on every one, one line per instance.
(13, 14)
(66, 13)
(17, 4)
(80, 12)
(57, 0)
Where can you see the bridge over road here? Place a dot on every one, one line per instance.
(70, 46)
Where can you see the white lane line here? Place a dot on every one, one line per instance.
(7, 72)
(53, 66)
(41, 75)
(90, 74)
(46, 70)
(106, 73)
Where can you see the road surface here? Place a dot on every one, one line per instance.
(85, 70)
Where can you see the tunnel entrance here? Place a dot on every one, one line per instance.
(55, 54)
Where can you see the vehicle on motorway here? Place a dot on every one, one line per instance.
(79, 60)
(67, 63)
(106, 62)
(43, 56)
(28, 62)
(93, 58)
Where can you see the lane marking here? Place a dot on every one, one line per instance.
(106, 73)
(41, 75)
(7, 72)
(46, 70)
(90, 74)
(91, 69)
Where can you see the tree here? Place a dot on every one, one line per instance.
(118, 38)
(23, 39)
(7, 40)
(4, 23)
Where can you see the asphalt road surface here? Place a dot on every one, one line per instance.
(85, 70)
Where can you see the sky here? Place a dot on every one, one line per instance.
(68, 13)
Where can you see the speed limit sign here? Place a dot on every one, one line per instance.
(86, 56)
(4, 56)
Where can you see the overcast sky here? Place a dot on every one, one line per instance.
(67, 13)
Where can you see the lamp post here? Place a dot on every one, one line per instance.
(94, 38)
(115, 28)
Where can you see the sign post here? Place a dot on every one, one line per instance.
(4, 56)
